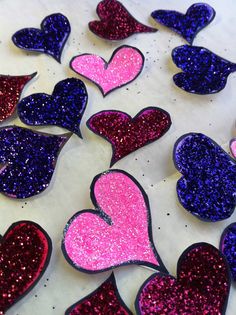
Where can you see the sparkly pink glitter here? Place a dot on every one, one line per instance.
(202, 286)
(124, 66)
(117, 232)
(233, 147)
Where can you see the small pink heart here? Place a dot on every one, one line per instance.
(118, 232)
(125, 65)
(233, 147)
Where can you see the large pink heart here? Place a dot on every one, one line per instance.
(125, 65)
(118, 232)
(233, 147)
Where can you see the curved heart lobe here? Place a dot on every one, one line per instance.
(29, 159)
(202, 285)
(25, 252)
(116, 22)
(207, 188)
(55, 30)
(117, 232)
(127, 134)
(64, 108)
(198, 16)
(233, 147)
(10, 91)
(125, 65)
(104, 300)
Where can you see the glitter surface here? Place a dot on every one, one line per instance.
(116, 22)
(28, 159)
(25, 252)
(103, 301)
(208, 186)
(64, 108)
(198, 16)
(127, 134)
(228, 247)
(118, 232)
(203, 71)
(202, 286)
(55, 30)
(10, 91)
(233, 147)
(125, 65)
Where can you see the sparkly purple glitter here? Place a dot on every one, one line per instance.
(28, 160)
(228, 247)
(64, 108)
(198, 16)
(55, 30)
(203, 71)
(207, 188)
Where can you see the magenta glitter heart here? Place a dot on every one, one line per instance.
(125, 65)
(127, 134)
(117, 232)
(233, 147)
(202, 285)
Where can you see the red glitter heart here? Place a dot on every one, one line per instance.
(25, 251)
(116, 22)
(202, 285)
(104, 300)
(127, 134)
(10, 91)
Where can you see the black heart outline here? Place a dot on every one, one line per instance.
(106, 64)
(102, 215)
(113, 160)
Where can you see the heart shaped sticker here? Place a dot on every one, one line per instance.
(118, 232)
(127, 134)
(25, 252)
(202, 285)
(125, 65)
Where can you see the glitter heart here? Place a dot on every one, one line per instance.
(127, 134)
(65, 108)
(203, 71)
(125, 65)
(233, 147)
(55, 30)
(25, 252)
(29, 159)
(202, 285)
(118, 232)
(116, 22)
(104, 300)
(10, 91)
(197, 17)
(207, 188)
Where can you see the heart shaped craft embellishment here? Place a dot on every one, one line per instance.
(64, 108)
(127, 134)
(116, 22)
(104, 300)
(227, 247)
(118, 232)
(50, 39)
(25, 252)
(125, 65)
(233, 147)
(28, 159)
(207, 188)
(10, 91)
(202, 285)
(197, 17)
(203, 71)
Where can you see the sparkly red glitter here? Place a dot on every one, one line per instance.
(127, 134)
(103, 301)
(116, 22)
(25, 252)
(202, 285)
(10, 91)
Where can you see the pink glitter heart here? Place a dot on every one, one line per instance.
(233, 147)
(125, 65)
(117, 232)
